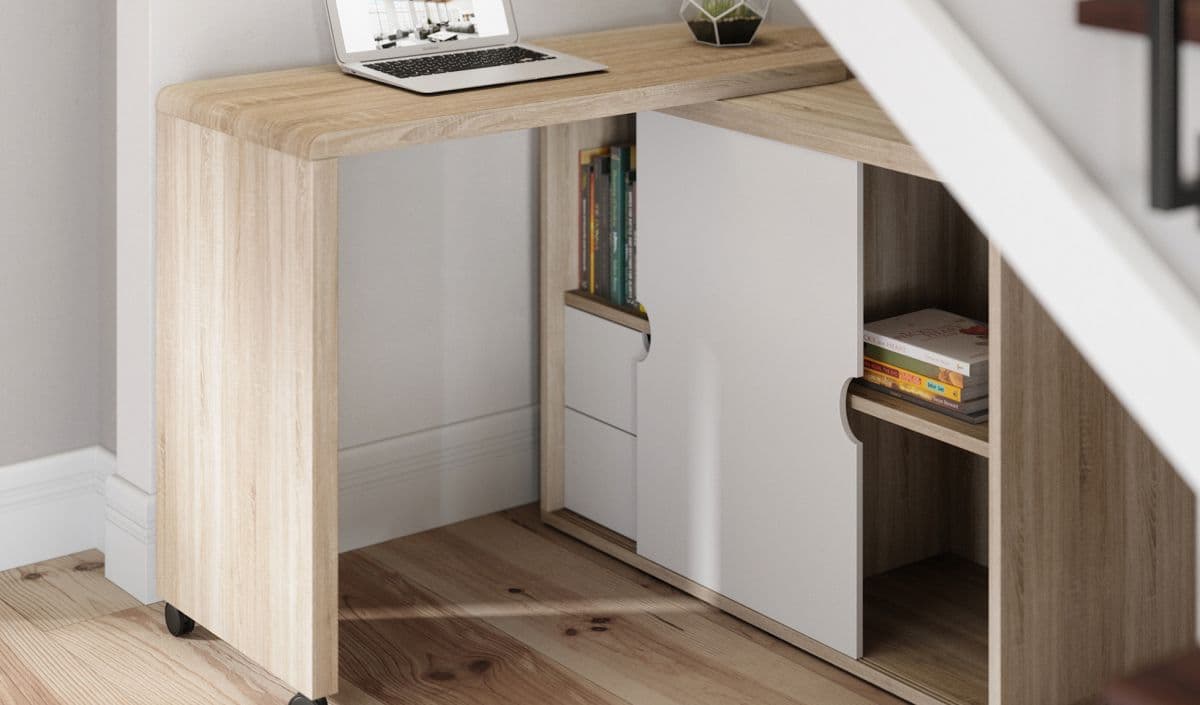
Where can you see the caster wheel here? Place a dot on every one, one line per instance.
(178, 623)
(301, 700)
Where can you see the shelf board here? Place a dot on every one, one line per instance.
(972, 438)
(1133, 16)
(841, 119)
(926, 624)
(599, 307)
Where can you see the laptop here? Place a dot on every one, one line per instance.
(441, 45)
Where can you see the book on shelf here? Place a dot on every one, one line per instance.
(911, 364)
(927, 384)
(608, 224)
(935, 337)
(587, 219)
(919, 393)
(974, 418)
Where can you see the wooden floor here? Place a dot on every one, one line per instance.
(497, 610)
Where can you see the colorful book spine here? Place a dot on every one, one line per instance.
(587, 244)
(603, 211)
(631, 230)
(938, 387)
(975, 418)
(882, 380)
(917, 353)
(620, 168)
(922, 368)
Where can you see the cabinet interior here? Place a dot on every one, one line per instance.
(925, 502)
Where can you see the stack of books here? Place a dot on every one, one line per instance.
(607, 224)
(933, 358)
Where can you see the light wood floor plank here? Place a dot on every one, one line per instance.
(529, 518)
(63, 591)
(613, 630)
(402, 646)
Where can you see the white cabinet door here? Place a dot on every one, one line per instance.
(748, 476)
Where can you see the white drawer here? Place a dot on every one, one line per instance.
(601, 361)
(601, 473)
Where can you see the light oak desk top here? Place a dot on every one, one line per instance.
(247, 302)
(320, 113)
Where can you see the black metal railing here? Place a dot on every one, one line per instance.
(1168, 188)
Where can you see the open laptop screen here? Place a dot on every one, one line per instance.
(381, 25)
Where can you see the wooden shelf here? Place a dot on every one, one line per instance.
(972, 438)
(926, 624)
(841, 119)
(1133, 16)
(609, 312)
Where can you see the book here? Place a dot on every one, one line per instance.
(938, 387)
(975, 418)
(895, 359)
(934, 336)
(912, 390)
(587, 210)
(619, 157)
(603, 244)
(631, 230)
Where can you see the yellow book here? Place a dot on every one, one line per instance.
(929, 384)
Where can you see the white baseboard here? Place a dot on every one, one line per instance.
(129, 548)
(421, 481)
(71, 502)
(53, 506)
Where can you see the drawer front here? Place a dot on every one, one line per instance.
(601, 473)
(601, 360)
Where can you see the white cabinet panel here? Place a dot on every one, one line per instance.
(601, 471)
(748, 479)
(601, 362)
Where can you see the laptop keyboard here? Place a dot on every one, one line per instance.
(458, 61)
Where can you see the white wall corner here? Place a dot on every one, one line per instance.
(428, 479)
(129, 538)
(53, 506)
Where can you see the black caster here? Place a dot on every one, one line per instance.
(178, 623)
(301, 700)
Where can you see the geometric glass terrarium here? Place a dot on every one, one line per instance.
(724, 23)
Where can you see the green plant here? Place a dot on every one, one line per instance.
(717, 8)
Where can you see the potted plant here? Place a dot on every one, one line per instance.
(724, 23)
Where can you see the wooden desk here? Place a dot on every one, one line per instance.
(247, 312)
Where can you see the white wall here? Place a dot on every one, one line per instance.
(56, 374)
(438, 255)
(1091, 86)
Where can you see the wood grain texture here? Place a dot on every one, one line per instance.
(926, 623)
(972, 438)
(836, 118)
(495, 611)
(405, 644)
(558, 248)
(247, 398)
(920, 250)
(60, 592)
(1092, 532)
(598, 307)
(581, 531)
(1173, 682)
(1134, 16)
(607, 628)
(319, 113)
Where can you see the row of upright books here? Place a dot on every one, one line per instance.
(933, 358)
(608, 224)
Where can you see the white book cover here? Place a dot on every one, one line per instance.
(938, 337)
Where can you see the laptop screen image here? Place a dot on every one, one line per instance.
(375, 25)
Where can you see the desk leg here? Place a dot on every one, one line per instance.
(247, 347)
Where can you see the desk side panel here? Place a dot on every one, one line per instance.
(1092, 532)
(247, 398)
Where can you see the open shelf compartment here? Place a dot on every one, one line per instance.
(925, 474)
